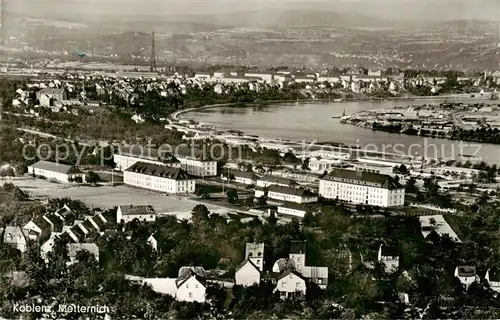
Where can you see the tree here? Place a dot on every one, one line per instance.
(92, 177)
(261, 202)
(249, 202)
(411, 185)
(305, 164)
(232, 196)
(200, 213)
(78, 179)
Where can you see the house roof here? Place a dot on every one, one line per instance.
(278, 180)
(187, 275)
(198, 270)
(389, 251)
(254, 250)
(466, 271)
(244, 174)
(295, 206)
(244, 263)
(363, 178)
(74, 248)
(40, 222)
(52, 91)
(100, 223)
(88, 226)
(190, 153)
(159, 171)
(139, 151)
(299, 192)
(137, 210)
(56, 221)
(298, 247)
(288, 272)
(78, 232)
(55, 167)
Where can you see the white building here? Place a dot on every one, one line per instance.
(128, 156)
(196, 163)
(438, 224)
(159, 178)
(243, 177)
(389, 258)
(297, 261)
(322, 165)
(191, 287)
(16, 237)
(467, 173)
(295, 195)
(47, 246)
(131, 212)
(493, 278)
(374, 168)
(247, 274)
(55, 171)
(466, 274)
(362, 188)
(292, 209)
(255, 253)
(291, 284)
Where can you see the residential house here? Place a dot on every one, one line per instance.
(295, 195)
(191, 285)
(74, 248)
(16, 237)
(296, 261)
(131, 212)
(466, 274)
(247, 274)
(255, 253)
(389, 257)
(159, 178)
(48, 245)
(58, 94)
(56, 171)
(291, 284)
(37, 227)
(493, 278)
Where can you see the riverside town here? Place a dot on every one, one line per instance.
(284, 160)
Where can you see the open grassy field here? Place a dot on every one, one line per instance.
(107, 197)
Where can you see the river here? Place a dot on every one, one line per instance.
(313, 121)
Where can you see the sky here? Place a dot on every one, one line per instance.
(399, 9)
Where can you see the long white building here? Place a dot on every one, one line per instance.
(362, 188)
(159, 178)
(128, 156)
(196, 163)
(55, 171)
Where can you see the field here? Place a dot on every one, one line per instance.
(107, 197)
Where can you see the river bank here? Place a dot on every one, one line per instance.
(313, 122)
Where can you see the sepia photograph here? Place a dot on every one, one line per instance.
(238, 159)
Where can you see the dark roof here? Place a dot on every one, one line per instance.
(363, 178)
(288, 272)
(279, 180)
(101, 224)
(78, 233)
(41, 223)
(88, 226)
(291, 191)
(137, 210)
(56, 221)
(139, 151)
(244, 174)
(159, 171)
(186, 276)
(191, 153)
(241, 265)
(466, 271)
(296, 206)
(390, 251)
(298, 247)
(55, 167)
